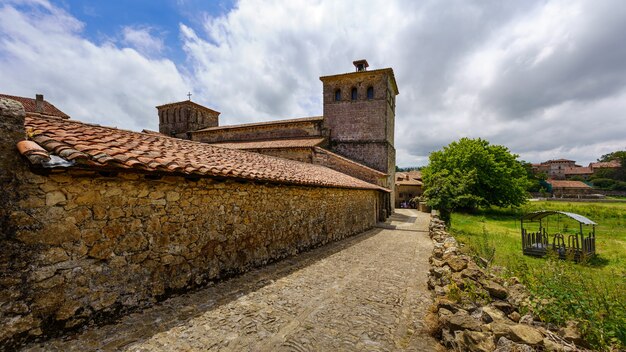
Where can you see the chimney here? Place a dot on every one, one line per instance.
(361, 65)
(39, 103)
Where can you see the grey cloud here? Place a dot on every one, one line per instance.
(587, 64)
(464, 68)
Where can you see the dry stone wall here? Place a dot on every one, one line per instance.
(79, 247)
(479, 311)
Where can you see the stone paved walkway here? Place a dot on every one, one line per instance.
(365, 293)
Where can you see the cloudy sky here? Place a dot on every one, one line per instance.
(545, 78)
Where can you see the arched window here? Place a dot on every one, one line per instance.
(353, 94)
(370, 93)
(338, 95)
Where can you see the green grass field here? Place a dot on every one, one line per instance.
(593, 293)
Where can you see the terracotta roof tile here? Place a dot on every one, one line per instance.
(94, 146)
(567, 184)
(409, 182)
(30, 106)
(296, 143)
(578, 170)
(33, 151)
(264, 123)
(606, 164)
(274, 143)
(409, 178)
(346, 160)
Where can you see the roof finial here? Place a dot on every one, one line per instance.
(189, 96)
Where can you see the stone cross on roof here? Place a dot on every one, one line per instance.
(189, 96)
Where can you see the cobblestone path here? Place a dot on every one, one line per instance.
(365, 293)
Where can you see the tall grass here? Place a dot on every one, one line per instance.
(592, 293)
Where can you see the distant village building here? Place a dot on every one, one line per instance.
(408, 185)
(554, 169)
(585, 172)
(578, 172)
(37, 107)
(569, 189)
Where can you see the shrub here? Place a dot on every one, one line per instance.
(560, 293)
(603, 183)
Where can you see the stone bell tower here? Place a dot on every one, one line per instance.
(177, 119)
(359, 113)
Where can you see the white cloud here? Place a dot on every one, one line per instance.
(142, 39)
(545, 78)
(42, 51)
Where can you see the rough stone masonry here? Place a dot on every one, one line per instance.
(80, 246)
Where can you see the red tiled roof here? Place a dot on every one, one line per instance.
(297, 143)
(409, 178)
(337, 156)
(578, 171)
(614, 164)
(264, 123)
(274, 143)
(567, 184)
(30, 106)
(559, 161)
(409, 182)
(93, 146)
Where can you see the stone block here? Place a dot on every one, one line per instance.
(525, 334)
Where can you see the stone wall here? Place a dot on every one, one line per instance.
(261, 132)
(404, 193)
(478, 310)
(320, 156)
(379, 156)
(178, 118)
(335, 162)
(80, 247)
(372, 154)
(361, 119)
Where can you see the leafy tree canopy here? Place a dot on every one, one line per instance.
(618, 155)
(618, 174)
(471, 173)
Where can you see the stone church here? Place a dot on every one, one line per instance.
(98, 221)
(355, 135)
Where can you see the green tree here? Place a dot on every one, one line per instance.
(618, 174)
(618, 155)
(535, 183)
(471, 173)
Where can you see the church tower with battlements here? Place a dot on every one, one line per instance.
(359, 114)
(180, 118)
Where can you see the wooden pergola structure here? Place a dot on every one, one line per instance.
(567, 246)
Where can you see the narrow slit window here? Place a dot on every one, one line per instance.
(370, 93)
(338, 95)
(354, 94)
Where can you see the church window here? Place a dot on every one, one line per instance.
(370, 93)
(338, 95)
(354, 93)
